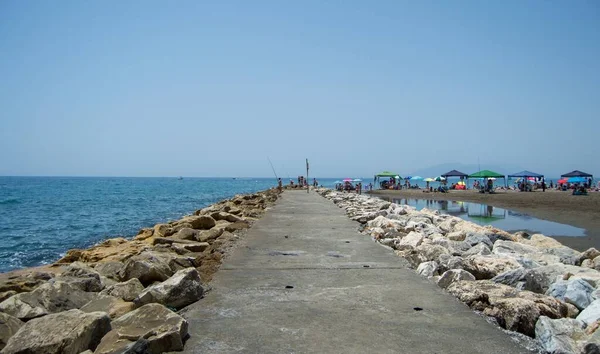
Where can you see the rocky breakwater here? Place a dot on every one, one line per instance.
(122, 296)
(530, 284)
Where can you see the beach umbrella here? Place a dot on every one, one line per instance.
(429, 180)
(347, 179)
(576, 180)
(336, 182)
(407, 177)
(439, 179)
(562, 181)
(460, 183)
(416, 178)
(357, 180)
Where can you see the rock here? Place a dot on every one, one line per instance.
(48, 298)
(558, 335)
(147, 267)
(431, 252)
(115, 307)
(186, 234)
(144, 234)
(69, 332)
(200, 222)
(513, 309)
(109, 269)
(9, 325)
(479, 249)
(588, 263)
(576, 291)
(152, 326)
(476, 238)
(457, 236)
(590, 254)
(163, 230)
(83, 277)
(427, 269)
(127, 291)
(182, 289)
(487, 267)
(591, 313)
(448, 262)
(412, 240)
(209, 235)
(197, 246)
(566, 255)
(5, 295)
(513, 248)
(513, 277)
(454, 275)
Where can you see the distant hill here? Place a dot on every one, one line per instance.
(437, 170)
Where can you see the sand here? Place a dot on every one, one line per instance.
(557, 206)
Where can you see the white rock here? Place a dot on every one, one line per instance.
(591, 313)
(454, 275)
(413, 239)
(427, 269)
(558, 335)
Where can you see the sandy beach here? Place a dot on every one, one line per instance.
(561, 207)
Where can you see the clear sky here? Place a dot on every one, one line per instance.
(198, 88)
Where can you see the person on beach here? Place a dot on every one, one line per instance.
(543, 186)
(279, 185)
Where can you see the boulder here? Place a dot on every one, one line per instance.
(479, 249)
(477, 238)
(127, 291)
(182, 289)
(427, 269)
(456, 236)
(185, 234)
(200, 222)
(565, 254)
(163, 230)
(447, 262)
(575, 291)
(8, 327)
(109, 269)
(513, 309)
(49, 298)
(69, 332)
(152, 326)
(513, 277)
(559, 335)
(82, 276)
(148, 267)
(513, 248)
(412, 240)
(487, 267)
(238, 225)
(590, 254)
(6, 294)
(591, 313)
(431, 252)
(209, 235)
(115, 307)
(454, 275)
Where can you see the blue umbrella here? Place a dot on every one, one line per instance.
(416, 178)
(576, 180)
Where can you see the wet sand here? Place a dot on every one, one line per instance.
(561, 207)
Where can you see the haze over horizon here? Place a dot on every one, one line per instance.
(148, 88)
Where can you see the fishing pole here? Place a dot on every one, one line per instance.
(273, 168)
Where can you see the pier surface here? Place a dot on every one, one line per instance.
(305, 281)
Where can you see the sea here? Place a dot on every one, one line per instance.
(43, 217)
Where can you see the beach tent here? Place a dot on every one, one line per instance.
(386, 174)
(526, 174)
(455, 173)
(577, 173)
(487, 174)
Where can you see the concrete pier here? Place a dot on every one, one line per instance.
(305, 281)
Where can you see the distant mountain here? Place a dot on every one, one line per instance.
(437, 170)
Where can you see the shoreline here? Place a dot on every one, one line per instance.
(112, 286)
(561, 207)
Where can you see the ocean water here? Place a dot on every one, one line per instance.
(43, 217)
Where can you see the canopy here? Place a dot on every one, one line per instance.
(526, 174)
(576, 173)
(416, 178)
(455, 173)
(388, 174)
(486, 174)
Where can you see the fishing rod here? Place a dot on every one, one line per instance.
(273, 168)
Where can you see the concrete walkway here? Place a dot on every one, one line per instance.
(306, 281)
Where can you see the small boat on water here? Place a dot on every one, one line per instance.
(180, 178)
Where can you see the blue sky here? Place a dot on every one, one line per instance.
(194, 88)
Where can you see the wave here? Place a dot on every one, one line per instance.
(10, 201)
